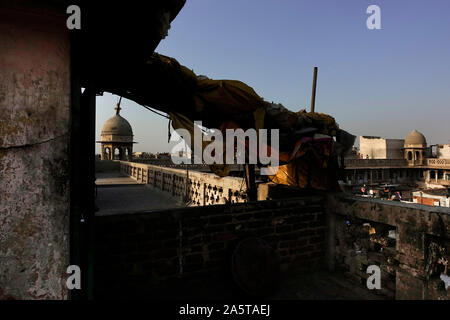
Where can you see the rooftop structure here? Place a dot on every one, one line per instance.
(117, 138)
(415, 139)
(409, 161)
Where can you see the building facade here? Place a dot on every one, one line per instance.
(380, 148)
(390, 161)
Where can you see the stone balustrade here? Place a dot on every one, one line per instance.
(192, 187)
(375, 163)
(439, 163)
(395, 163)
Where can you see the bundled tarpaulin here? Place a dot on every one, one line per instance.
(310, 143)
(311, 164)
(207, 99)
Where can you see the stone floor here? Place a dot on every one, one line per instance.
(113, 179)
(118, 194)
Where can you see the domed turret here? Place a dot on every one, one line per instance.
(117, 127)
(117, 135)
(415, 148)
(415, 138)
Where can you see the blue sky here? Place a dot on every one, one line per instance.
(374, 82)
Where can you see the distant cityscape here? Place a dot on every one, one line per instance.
(400, 169)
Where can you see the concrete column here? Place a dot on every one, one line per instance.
(35, 91)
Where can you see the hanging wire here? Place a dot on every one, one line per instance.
(156, 112)
(168, 130)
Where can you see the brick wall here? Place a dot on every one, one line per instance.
(143, 254)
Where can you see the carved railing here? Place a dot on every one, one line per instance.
(192, 187)
(375, 163)
(438, 163)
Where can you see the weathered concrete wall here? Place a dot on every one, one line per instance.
(394, 148)
(419, 231)
(379, 148)
(372, 147)
(34, 125)
(357, 249)
(443, 151)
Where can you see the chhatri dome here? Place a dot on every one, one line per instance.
(117, 125)
(415, 138)
(415, 148)
(117, 138)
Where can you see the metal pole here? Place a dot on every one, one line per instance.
(250, 180)
(313, 95)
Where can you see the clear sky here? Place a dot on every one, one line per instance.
(374, 82)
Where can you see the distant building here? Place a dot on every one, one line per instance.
(142, 155)
(117, 138)
(379, 148)
(353, 154)
(409, 161)
(415, 149)
(443, 151)
(436, 197)
(163, 156)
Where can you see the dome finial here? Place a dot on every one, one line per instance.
(118, 108)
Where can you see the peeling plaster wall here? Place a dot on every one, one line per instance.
(417, 227)
(34, 140)
(372, 148)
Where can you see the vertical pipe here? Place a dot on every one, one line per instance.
(313, 95)
(250, 179)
